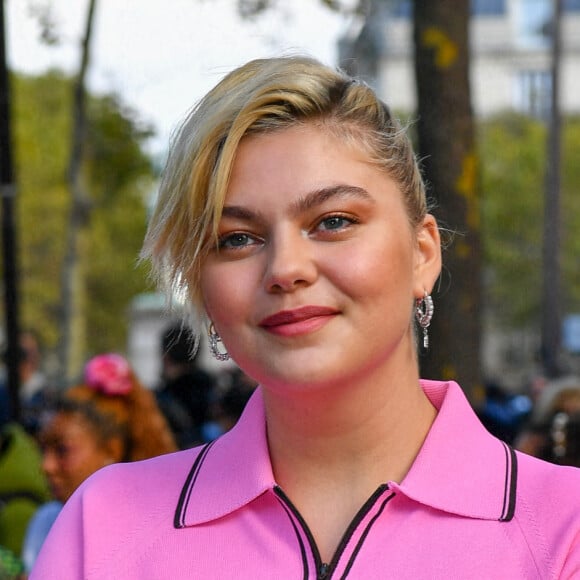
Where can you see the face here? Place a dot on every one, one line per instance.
(317, 268)
(70, 453)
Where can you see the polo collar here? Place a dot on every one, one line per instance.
(460, 469)
(230, 472)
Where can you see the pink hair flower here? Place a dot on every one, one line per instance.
(109, 374)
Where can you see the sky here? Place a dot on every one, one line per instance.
(161, 56)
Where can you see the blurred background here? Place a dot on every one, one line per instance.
(90, 93)
(491, 92)
(145, 65)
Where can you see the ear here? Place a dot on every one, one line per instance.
(427, 256)
(115, 450)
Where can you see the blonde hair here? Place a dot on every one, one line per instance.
(262, 96)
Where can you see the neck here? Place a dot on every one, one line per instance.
(332, 448)
(371, 431)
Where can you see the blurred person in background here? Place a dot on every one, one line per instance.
(31, 374)
(560, 395)
(232, 401)
(186, 390)
(109, 417)
(34, 391)
(504, 413)
(562, 441)
(23, 487)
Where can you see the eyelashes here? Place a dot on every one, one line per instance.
(236, 241)
(336, 222)
(324, 228)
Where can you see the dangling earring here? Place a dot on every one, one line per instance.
(214, 341)
(424, 313)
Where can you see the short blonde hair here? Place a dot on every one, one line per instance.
(261, 96)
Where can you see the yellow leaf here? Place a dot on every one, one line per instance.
(445, 49)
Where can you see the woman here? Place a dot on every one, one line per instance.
(293, 213)
(108, 418)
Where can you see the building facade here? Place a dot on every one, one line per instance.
(510, 54)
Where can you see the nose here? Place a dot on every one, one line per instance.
(49, 464)
(290, 263)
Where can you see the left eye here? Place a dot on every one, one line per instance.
(335, 222)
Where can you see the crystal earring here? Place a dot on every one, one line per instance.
(424, 313)
(214, 344)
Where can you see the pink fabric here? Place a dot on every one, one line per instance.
(468, 508)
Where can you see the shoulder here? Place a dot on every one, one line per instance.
(541, 480)
(144, 477)
(132, 488)
(551, 490)
(120, 507)
(116, 511)
(548, 511)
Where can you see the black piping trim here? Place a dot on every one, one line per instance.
(364, 510)
(511, 482)
(289, 512)
(365, 534)
(347, 535)
(184, 497)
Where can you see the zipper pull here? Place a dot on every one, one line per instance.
(323, 571)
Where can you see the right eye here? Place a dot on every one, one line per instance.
(61, 450)
(236, 241)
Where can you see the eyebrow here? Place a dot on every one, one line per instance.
(304, 203)
(319, 196)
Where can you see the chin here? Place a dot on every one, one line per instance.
(297, 377)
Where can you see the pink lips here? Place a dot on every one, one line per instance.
(298, 321)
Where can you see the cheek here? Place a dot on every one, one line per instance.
(378, 273)
(227, 290)
(83, 463)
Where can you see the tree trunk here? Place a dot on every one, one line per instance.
(71, 277)
(9, 245)
(551, 271)
(450, 163)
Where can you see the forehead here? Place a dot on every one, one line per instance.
(296, 160)
(65, 425)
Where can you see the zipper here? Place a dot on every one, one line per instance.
(325, 570)
(322, 572)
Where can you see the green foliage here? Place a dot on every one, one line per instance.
(42, 136)
(114, 148)
(118, 176)
(512, 150)
(112, 275)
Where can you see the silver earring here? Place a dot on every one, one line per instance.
(424, 313)
(214, 344)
